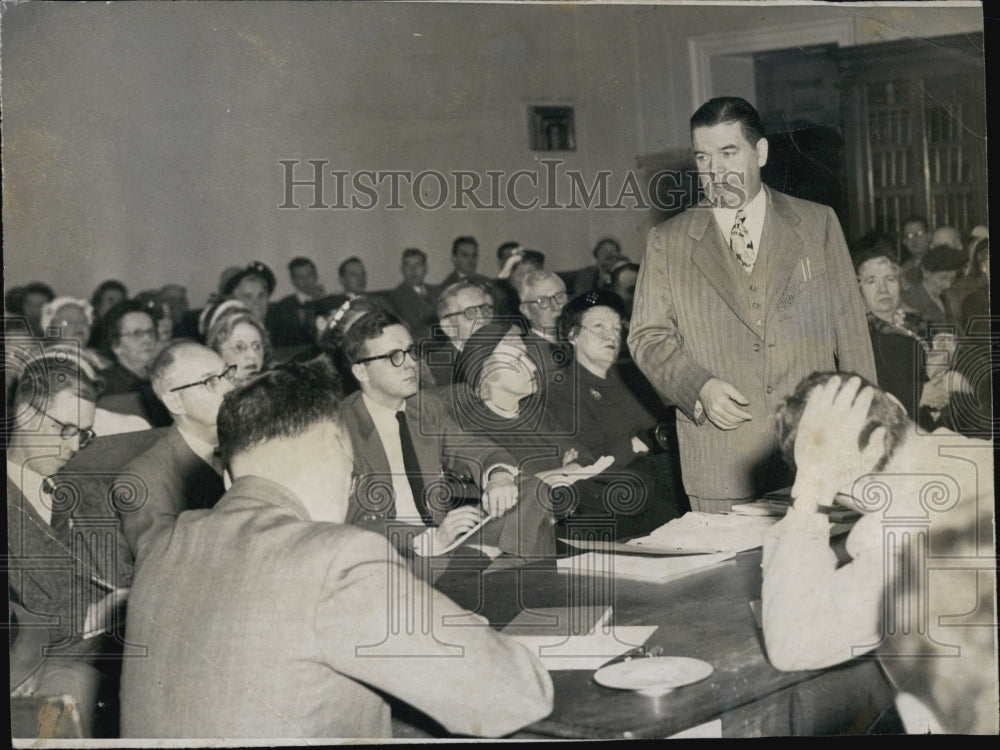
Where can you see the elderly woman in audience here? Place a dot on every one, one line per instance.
(130, 340)
(596, 405)
(240, 339)
(969, 295)
(911, 368)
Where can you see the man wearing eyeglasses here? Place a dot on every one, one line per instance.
(543, 296)
(404, 441)
(181, 471)
(53, 417)
(463, 308)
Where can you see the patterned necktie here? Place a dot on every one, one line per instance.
(740, 242)
(412, 466)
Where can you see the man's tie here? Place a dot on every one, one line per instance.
(412, 466)
(740, 242)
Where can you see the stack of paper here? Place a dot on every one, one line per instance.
(640, 567)
(554, 635)
(712, 531)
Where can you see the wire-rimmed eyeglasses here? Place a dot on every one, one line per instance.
(212, 382)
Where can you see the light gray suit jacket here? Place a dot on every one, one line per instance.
(698, 315)
(263, 623)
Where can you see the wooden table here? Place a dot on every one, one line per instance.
(705, 615)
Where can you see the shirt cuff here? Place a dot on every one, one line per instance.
(500, 469)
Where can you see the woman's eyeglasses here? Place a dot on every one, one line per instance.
(68, 431)
(396, 357)
(471, 313)
(241, 347)
(212, 382)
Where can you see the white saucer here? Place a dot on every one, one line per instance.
(653, 676)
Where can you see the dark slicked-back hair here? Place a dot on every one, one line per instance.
(727, 109)
(414, 252)
(280, 403)
(883, 412)
(343, 266)
(463, 240)
(298, 261)
(369, 326)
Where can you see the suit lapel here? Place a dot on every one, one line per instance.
(782, 247)
(715, 261)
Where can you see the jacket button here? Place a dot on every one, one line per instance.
(770, 389)
(756, 347)
(753, 287)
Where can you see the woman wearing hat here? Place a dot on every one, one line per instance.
(938, 270)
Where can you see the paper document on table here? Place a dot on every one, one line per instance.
(586, 651)
(715, 531)
(600, 545)
(423, 545)
(639, 567)
(556, 621)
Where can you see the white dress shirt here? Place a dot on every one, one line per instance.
(30, 484)
(388, 431)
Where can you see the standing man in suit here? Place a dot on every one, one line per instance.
(290, 320)
(413, 301)
(270, 617)
(735, 303)
(181, 471)
(403, 441)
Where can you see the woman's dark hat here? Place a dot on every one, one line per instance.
(478, 348)
(943, 258)
(257, 269)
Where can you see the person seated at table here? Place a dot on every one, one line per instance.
(130, 339)
(497, 393)
(267, 617)
(904, 361)
(405, 444)
(51, 420)
(463, 308)
(601, 412)
(852, 443)
(180, 471)
(241, 340)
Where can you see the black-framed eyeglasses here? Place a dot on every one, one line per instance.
(471, 313)
(212, 382)
(396, 357)
(68, 431)
(556, 300)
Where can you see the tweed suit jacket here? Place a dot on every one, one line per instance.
(698, 315)
(262, 623)
(174, 480)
